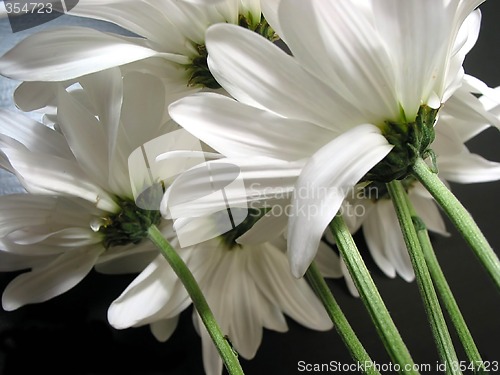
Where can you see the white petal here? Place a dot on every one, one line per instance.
(270, 12)
(148, 294)
(132, 16)
(198, 191)
(163, 329)
(258, 73)
(44, 174)
(322, 186)
(34, 136)
(13, 262)
(392, 241)
(348, 279)
(374, 237)
(69, 52)
(468, 168)
(85, 137)
(30, 96)
(51, 280)
(429, 213)
(328, 261)
(238, 130)
(341, 46)
(271, 272)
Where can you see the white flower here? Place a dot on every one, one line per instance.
(247, 287)
(463, 117)
(79, 189)
(359, 68)
(168, 39)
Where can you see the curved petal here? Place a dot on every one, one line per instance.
(238, 183)
(163, 329)
(270, 270)
(468, 168)
(139, 17)
(328, 261)
(44, 174)
(69, 52)
(51, 280)
(322, 186)
(30, 96)
(85, 137)
(427, 210)
(148, 294)
(374, 237)
(256, 72)
(238, 130)
(340, 45)
(34, 136)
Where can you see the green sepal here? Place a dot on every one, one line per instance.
(411, 140)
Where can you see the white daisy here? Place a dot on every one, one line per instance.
(463, 117)
(247, 287)
(169, 37)
(80, 207)
(365, 76)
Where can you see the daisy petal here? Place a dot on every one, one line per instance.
(328, 261)
(43, 174)
(148, 294)
(84, 135)
(427, 210)
(324, 182)
(51, 280)
(271, 272)
(163, 329)
(34, 136)
(269, 78)
(468, 168)
(238, 130)
(69, 52)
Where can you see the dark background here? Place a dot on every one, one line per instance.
(70, 335)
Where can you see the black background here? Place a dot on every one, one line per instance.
(69, 334)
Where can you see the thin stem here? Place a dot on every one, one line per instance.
(446, 294)
(460, 217)
(226, 352)
(339, 320)
(370, 296)
(431, 303)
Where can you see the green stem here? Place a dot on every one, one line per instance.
(446, 294)
(371, 298)
(460, 217)
(339, 320)
(435, 315)
(226, 352)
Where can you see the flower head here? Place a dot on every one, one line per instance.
(360, 94)
(80, 209)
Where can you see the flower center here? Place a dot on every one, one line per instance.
(411, 141)
(229, 238)
(130, 225)
(199, 73)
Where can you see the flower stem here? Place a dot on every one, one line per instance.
(226, 352)
(446, 294)
(435, 315)
(460, 217)
(370, 296)
(338, 318)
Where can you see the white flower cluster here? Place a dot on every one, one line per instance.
(240, 153)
